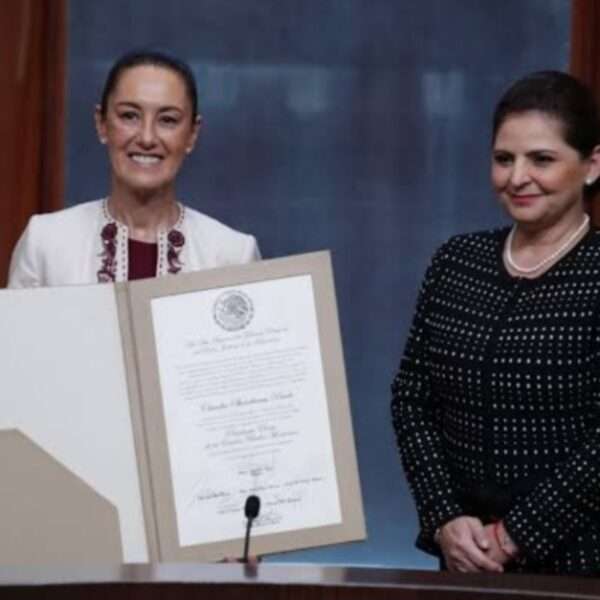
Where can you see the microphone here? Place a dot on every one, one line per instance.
(251, 510)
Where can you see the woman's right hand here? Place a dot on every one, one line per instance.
(465, 545)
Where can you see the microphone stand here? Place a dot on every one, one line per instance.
(247, 539)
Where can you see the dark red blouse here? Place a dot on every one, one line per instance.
(143, 257)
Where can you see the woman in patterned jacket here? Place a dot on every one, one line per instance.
(496, 405)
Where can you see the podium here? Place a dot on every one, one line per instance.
(282, 582)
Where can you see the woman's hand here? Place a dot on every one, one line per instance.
(502, 548)
(466, 546)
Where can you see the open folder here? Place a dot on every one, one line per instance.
(167, 402)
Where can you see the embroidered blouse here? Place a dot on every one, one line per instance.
(115, 252)
(83, 244)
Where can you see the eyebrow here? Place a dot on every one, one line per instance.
(126, 103)
(529, 152)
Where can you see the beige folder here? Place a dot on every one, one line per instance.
(82, 374)
(47, 514)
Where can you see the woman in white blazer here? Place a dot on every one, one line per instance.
(149, 122)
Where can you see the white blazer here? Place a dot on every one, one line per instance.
(66, 247)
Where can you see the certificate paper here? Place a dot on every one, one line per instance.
(243, 391)
(245, 409)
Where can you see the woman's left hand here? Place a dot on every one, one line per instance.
(465, 545)
(501, 547)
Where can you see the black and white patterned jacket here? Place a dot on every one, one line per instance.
(498, 392)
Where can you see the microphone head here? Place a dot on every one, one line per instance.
(252, 507)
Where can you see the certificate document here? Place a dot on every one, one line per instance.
(245, 409)
(242, 391)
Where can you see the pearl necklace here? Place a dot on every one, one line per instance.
(550, 257)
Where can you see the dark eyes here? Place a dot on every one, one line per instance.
(168, 120)
(503, 159)
(541, 160)
(128, 115)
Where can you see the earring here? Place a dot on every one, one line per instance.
(590, 181)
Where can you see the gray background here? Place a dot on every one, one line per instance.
(356, 125)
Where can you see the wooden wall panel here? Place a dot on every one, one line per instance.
(32, 78)
(585, 42)
(585, 60)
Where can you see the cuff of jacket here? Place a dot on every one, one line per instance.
(540, 528)
(431, 522)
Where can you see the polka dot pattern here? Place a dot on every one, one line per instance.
(499, 383)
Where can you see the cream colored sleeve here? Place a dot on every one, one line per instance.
(25, 265)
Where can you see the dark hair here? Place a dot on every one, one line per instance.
(154, 58)
(560, 96)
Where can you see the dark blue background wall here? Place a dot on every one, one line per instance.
(356, 125)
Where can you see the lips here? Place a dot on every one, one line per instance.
(523, 199)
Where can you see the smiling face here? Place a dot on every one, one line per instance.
(538, 177)
(148, 128)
